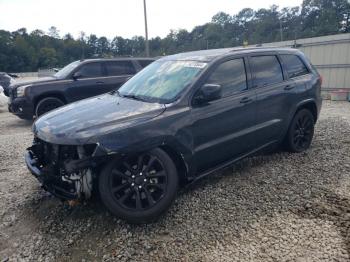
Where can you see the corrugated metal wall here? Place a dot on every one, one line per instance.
(329, 54)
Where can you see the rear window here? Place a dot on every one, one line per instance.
(266, 69)
(294, 66)
(117, 68)
(144, 63)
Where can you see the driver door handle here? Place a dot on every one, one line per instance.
(246, 100)
(289, 87)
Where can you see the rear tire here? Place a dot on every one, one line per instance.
(139, 188)
(47, 104)
(300, 132)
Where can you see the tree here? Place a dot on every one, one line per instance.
(222, 19)
(54, 32)
(24, 51)
(47, 58)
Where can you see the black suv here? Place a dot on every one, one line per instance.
(179, 119)
(76, 81)
(5, 81)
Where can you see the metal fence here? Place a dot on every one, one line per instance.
(329, 54)
(46, 72)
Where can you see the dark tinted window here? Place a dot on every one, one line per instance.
(144, 63)
(266, 69)
(294, 66)
(231, 76)
(90, 70)
(117, 68)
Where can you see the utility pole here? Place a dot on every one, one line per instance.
(146, 29)
(281, 30)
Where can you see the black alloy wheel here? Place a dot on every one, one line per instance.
(301, 131)
(139, 188)
(47, 104)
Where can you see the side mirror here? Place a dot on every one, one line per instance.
(208, 92)
(77, 75)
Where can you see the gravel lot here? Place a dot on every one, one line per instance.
(279, 207)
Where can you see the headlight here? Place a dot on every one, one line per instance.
(20, 91)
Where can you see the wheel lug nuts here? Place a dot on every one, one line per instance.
(140, 187)
(132, 176)
(145, 180)
(141, 174)
(132, 184)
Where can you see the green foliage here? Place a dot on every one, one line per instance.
(23, 51)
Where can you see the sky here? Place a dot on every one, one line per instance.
(124, 18)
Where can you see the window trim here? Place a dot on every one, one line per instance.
(284, 74)
(300, 59)
(104, 63)
(212, 69)
(103, 73)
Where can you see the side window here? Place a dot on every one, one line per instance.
(90, 70)
(294, 66)
(119, 68)
(266, 70)
(231, 75)
(144, 63)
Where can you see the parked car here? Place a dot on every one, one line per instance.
(3, 98)
(5, 81)
(181, 118)
(76, 81)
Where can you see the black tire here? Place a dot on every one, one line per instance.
(300, 132)
(139, 188)
(47, 104)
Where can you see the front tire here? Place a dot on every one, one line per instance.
(300, 132)
(139, 188)
(47, 104)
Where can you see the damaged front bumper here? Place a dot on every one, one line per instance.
(49, 182)
(67, 172)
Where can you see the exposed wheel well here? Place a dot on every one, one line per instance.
(179, 163)
(311, 106)
(56, 95)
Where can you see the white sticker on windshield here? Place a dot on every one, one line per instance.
(195, 64)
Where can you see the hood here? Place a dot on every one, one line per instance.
(87, 120)
(41, 80)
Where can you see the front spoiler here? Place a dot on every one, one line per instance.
(48, 181)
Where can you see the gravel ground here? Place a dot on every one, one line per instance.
(279, 207)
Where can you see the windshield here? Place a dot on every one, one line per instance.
(162, 81)
(65, 71)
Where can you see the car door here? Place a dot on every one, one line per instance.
(222, 128)
(273, 100)
(90, 81)
(118, 72)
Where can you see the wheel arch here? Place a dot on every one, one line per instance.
(179, 162)
(50, 94)
(176, 150)
(311, 106)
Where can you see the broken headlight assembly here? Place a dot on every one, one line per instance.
(64, 170)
